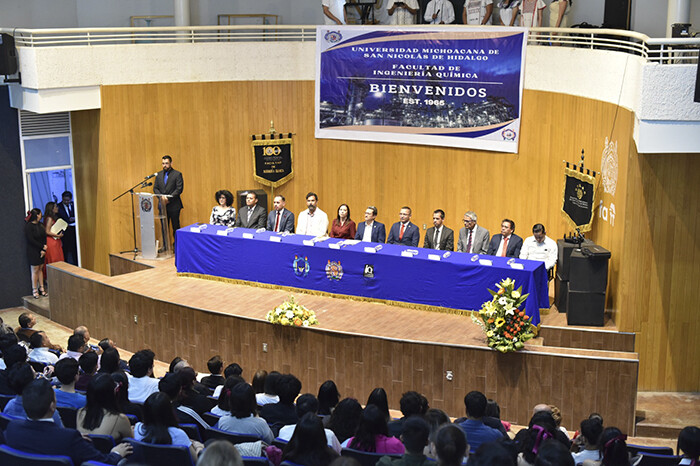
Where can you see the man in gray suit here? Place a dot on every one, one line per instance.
(472, 238)
(252, 215)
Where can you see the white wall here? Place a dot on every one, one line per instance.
(38, 13)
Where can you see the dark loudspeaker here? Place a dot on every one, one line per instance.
(262, 198)
(8, 55)
(564, 253)
(561, 291)
(588, 273)
(584, 308)
(617, 14)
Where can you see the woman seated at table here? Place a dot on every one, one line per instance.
(343, 226)
(224, 213)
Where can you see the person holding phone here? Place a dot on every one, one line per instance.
(402, 11)
(439, 12)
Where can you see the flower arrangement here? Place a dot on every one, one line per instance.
(506, 327)
(292, 314)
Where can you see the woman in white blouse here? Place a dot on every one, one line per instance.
(223, 214)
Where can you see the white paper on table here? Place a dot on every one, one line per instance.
(434, 257)
(406, 254)
(195, 229)
(248, 235)
(335, 245)
(276, 239)
(222, 232)
(308, 242)
(351, 242)
(517, 266)
(488, 262)
(370, 249)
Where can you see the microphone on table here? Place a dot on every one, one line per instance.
(150, 176)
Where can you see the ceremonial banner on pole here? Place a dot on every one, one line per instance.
(579, 199)
(272, 159)
(444, 86)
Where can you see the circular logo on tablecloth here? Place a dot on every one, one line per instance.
(334, 271)
(146, 205)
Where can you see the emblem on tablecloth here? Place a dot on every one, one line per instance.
(334, 271)
(368, 271)
(301, 266)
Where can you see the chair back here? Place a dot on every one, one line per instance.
(133, 419)
(279, 443)
(68, 415)
(4, 399)
(104, 443)
(5, 420)
(159, 455)
(192, 431)
(255, 461)
(234, 438)
(210, 418)
(652, 459)
(635, 450)
(13, 457)
(364, 457)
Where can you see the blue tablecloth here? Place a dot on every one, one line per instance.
(453, 282)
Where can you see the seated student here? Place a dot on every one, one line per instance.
(540, 428)
(27, 321)
(613, 449)
(220, 453)
(412, 404)
(189, 397)
(88, 364)
(122, 393)
(379, 398)
(41, 349)
(477, 432)
(553, 453)
(373, 435)
(171, 385)
(328, 398)
(233, 369)
(308, 444)
(12, 354)
(689, 444)
(268, 395)
(492, 418)
(451, 446)
(141, 383)
(66, 371)
(590, 432)
(109, 361)
(215, 365)
(222, 408)
(282, 413)
(308, 403)
(160, 425)
(435, 418)
(76, 347)
(101, 413)
(108, 345)
(345, 419)
(20, 377)
(242, 418)
(494, 454)
(36, 435)
(414, 435)
(258, 382)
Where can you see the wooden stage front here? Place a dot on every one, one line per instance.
(360, 345)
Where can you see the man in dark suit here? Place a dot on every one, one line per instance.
(66, 211)
(280, 219)
(39, 435)
(371, 230)
(403, 231)
(439, 236)
(169, 185)
(252, 215)
(506, 244)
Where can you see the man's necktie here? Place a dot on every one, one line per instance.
(505, 247)
(403, 227)
(277, 222)
(435, 239)
(469, 241)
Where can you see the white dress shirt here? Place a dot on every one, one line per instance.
(402, 15)
(337, 9)
(476, 11)
(439, 235)
(546, 251)
(444, 9)
(286, 433)
(42, 355)
(141, 388)
(367, 236)
(500, 252)
(314, 225)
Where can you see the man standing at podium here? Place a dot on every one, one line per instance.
(169, 186)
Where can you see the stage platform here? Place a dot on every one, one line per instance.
(359, 345)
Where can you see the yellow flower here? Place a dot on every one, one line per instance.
(500, 321)
(284, 321)
(515, 294)
(489, 333)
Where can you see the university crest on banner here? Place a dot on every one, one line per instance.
(579, 198)
(273, 154)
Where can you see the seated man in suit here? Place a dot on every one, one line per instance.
(506, 244)
(473, 238)
(439, 236)
(40, 435)
(540, 247)
(253, 215)
(370, 230)
(403, 231)
(280, 219)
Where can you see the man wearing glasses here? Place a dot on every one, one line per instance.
(472, 238)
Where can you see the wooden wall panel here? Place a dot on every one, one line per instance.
(119, 265)
(594, 381)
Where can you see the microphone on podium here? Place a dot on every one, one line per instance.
(150, 176)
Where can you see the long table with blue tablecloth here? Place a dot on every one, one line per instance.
(418, 276)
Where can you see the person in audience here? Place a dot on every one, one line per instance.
(402, 11)
(107, 344)
(220, 453)
(88, 363)
(66, 371)
(242, 418)
(20, 376)
(415, 435)
(172, 385)
(540, 247)
(451, 446)
(280, 219)
(435, 418)
(252, 215)
(308, 403)
(379, 399)
(508, 11)
(269, 394)
(477, 12)
(492, 418)
(232, 370)
(493, 454)
(404, 232)
(373, 435)
(439, 12)
(283, 412)
(312, 221)
(334, 11)
(122, 393)
(101, 413)
(175, 364)
(507, 243)
(345, 419)
(109, 361)
(83, 332)
(328, 398)
(412, 404)
(36, 435)
(36, 250)
(76, 347)
(222, 407)
(160, 425)
(613, 449)
(689, 444)
(477, 432)
(27, 321)
(308, 445)
(41, 349)
(343, 226)
(7, 339)
(590, 433)
(190, 397)
(258, 382)
(553, 453)
(540, 428)
(12, 353)
(142, 384)
(472, 237)
(214, 379)
(439, 236)
(370, 230)
(223, 213)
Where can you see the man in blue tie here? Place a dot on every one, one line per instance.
(169, 185)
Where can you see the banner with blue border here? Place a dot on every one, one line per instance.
(442, 86)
